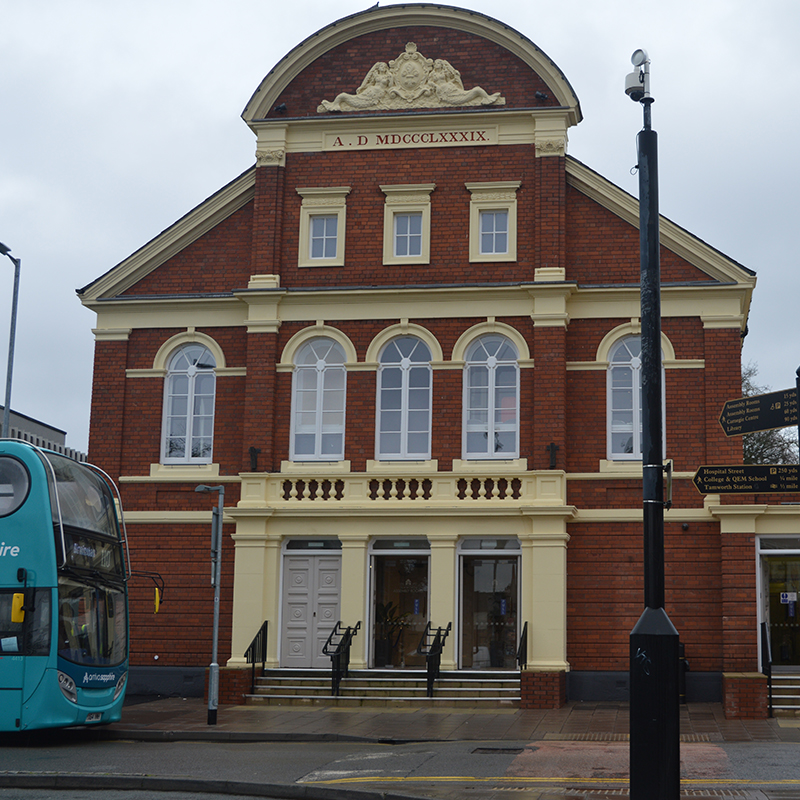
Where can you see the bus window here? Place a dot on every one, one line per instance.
(92, 625)
(93, 553)
(83, 497)
(31, 637)
(14, 485)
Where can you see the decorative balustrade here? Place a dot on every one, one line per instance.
(275, 490)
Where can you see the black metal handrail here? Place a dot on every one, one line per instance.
(257, 652)
(337, 647)
(522, 650)
(431, 645)
(766, 661)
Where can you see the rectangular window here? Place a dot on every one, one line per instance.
(322, 226)
(323, 236)
(407, 223)
(408, 234)
(494, 232)
(493, 221)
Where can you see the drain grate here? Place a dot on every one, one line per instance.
(614, 737)
(503, 751)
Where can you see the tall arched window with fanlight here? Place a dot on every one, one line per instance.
(189, 393)
(491, 399)
(624, 399)
(404, 400)
(318, 402)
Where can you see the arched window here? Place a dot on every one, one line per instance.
(404, 400)
(318, 402)
(491, 399)
(189, 394)
(624, 399)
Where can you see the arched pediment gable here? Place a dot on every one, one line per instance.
(336, 71)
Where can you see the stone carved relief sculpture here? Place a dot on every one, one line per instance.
(411, 81)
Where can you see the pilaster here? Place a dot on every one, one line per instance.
(354, 599)
(442, 591)
(256, 581)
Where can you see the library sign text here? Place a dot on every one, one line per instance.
(760, 412)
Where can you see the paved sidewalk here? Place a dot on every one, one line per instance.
(186, 718)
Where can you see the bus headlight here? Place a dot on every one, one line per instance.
(120, 684)
(67, 686)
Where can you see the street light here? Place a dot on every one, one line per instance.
(6, 429)
(216, 571)
(654, 642)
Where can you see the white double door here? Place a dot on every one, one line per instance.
(311, 592)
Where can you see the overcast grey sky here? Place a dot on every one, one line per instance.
(119, 117)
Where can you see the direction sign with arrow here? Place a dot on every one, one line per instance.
(748, 479)
(760, 412)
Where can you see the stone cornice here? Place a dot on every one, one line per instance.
(546, 303)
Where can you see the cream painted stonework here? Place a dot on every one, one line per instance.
(411, 81)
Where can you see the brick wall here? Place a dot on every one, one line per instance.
(745, 695)
(234, 684)
(601, 248)
(180, 633)
(108, 405)
(605, 593)
(221, 257)
(449, 168)
(543, 689)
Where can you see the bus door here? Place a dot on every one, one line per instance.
(24, 647)
(12, 663)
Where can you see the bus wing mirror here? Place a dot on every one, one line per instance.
(18, 608)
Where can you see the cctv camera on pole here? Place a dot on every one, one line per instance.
(654, 658)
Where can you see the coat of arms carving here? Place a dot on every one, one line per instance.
(411, 81)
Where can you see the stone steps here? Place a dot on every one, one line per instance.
(388, 688)
(786, 694)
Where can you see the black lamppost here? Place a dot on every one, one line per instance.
(216, 572)
(6, 430)
(655, 723)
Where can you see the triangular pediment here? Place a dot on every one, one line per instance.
(173, 240)
(702, 256)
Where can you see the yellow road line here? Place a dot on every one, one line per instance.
(605, 781)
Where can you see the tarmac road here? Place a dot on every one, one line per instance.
(477, 770)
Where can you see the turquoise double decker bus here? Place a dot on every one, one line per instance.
(63, 592)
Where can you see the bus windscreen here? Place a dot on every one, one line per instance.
(92, 624)
(84, 499)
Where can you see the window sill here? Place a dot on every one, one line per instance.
(190, 471)
(314, 467)
(511, 465)
(627, 467)
(395, 465)
(631, 467)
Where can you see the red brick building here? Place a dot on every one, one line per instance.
(406, 342)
